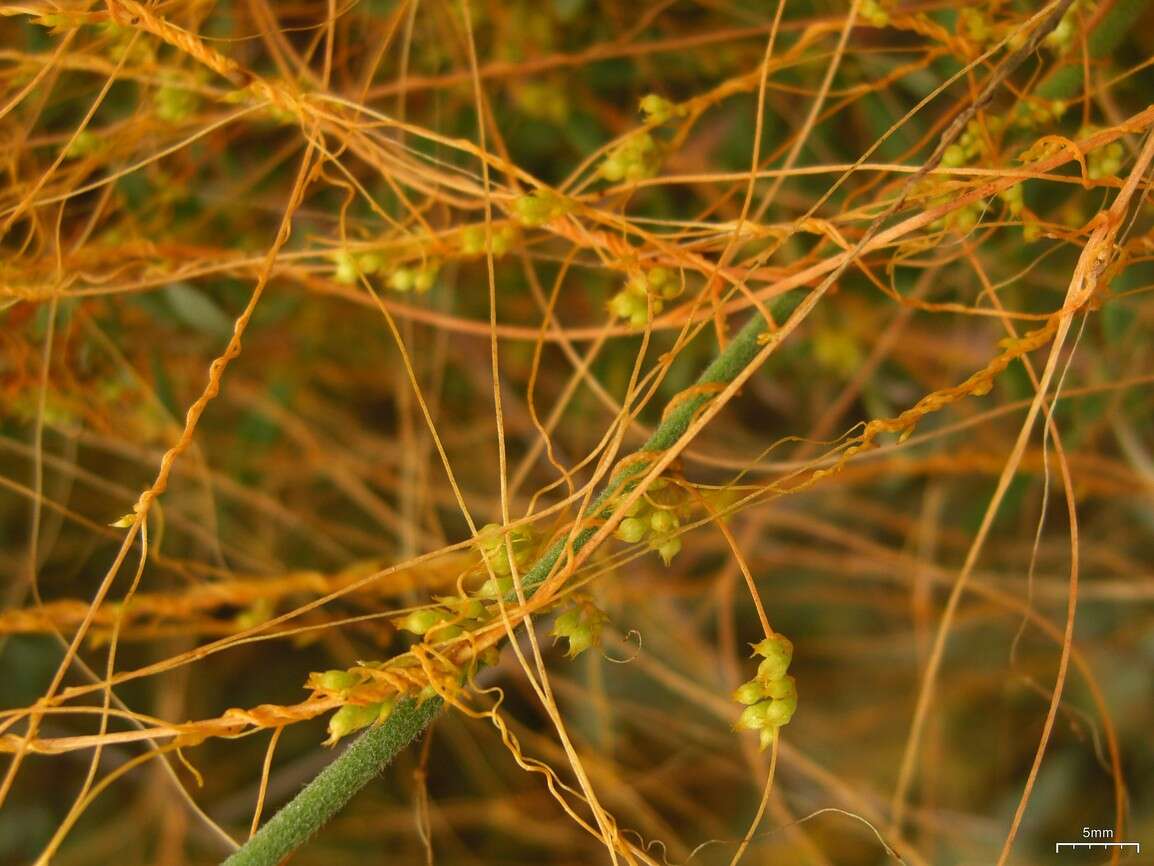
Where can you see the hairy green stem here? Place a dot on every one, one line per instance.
(725, 367)
(364, 760)
(335, 785)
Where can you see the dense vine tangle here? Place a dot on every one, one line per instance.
(608, 383)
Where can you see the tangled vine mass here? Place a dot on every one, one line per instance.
(576, 431)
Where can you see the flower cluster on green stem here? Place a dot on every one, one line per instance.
(770, 698)
(581, 627)
(418, 277)
(495, 544)
(644, 295)
(654, 519)
(658, 109)
(540, 207)
(1105, 161)
(473, 240)
(636, 158)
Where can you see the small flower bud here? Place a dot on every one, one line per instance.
(669, 549)
(494, 587)
(954, 156)
(346, 268)
(353, 717)
(498, 560)
(421, 621)
(337, 681)
(635, 158)
(471, 608)
(578, 643)
(752, 718)
(658, 109)
(613, 169)
(425, 277)
(631, 530)
(402, 279)
(750, 693)
(503, 240)
(621, 305)
(659, 277)
(473, 240)
(370, 263)
(489, 537)
(567, 623)
(779, 712)
(783, 689)
(637, 285)
(777, 650)
(663, 521)
(581, 627)
(539, 207)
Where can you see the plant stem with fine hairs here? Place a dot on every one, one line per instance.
(368, 756)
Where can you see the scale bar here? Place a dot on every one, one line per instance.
(1060, 845)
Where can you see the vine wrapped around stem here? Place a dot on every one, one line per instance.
(368, 756)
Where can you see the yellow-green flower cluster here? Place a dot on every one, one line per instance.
(1063, 37)
(353, 717)
(770, 698)
(336, 681)
(421, 622)
(874, 13)
(636, 158)
(415, 278)
(350, 266)
(369, 692)
(653, 518)
(540, 207)
(581, 626)
(473, 240)
(970, 145)
(495, 550)
(445, 620)
(1104, 161)
(961, 219)
(1012, 197)
(658, 109)
(643, 295)
(1033, 111)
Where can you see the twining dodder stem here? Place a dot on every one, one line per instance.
(364, 760)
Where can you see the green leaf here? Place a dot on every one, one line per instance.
(194, 308)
